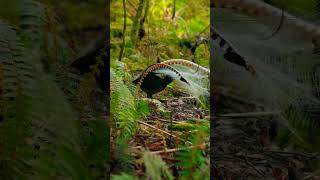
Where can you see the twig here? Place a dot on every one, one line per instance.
(250, 164)
(189, 97)
(293, 153)
(153, 127)
(137, 147)
(250, 114)
(317, 172)
(245, 159)
(176, 149)
(163, 120)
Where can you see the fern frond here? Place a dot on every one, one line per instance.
(122, 105)
(155, 167)
(303, 131)
(192, 160)
(32, 20)
(49, 117)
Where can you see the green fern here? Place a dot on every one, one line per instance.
(156, 168)
(96, 147)
(303, 131)
(15, 131)
(192, 162)
(48, 141)
(121, 160)
(122, 106)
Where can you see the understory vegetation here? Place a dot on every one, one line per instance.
(57, 120)
(166, 137)
(53, 120)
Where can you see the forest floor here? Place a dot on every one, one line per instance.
(170, 124)
(245, 147)
(167, 128)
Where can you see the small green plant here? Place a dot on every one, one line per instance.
(156, 168)
(191, 161)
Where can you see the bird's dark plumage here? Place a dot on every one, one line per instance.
(154, 83)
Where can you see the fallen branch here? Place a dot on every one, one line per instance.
(295, 154)
(138, 149)
(171, 135)
(312, 175)
(254, 167)
(249, 114)
(153, 127)
(201, 146)
(168, 121)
